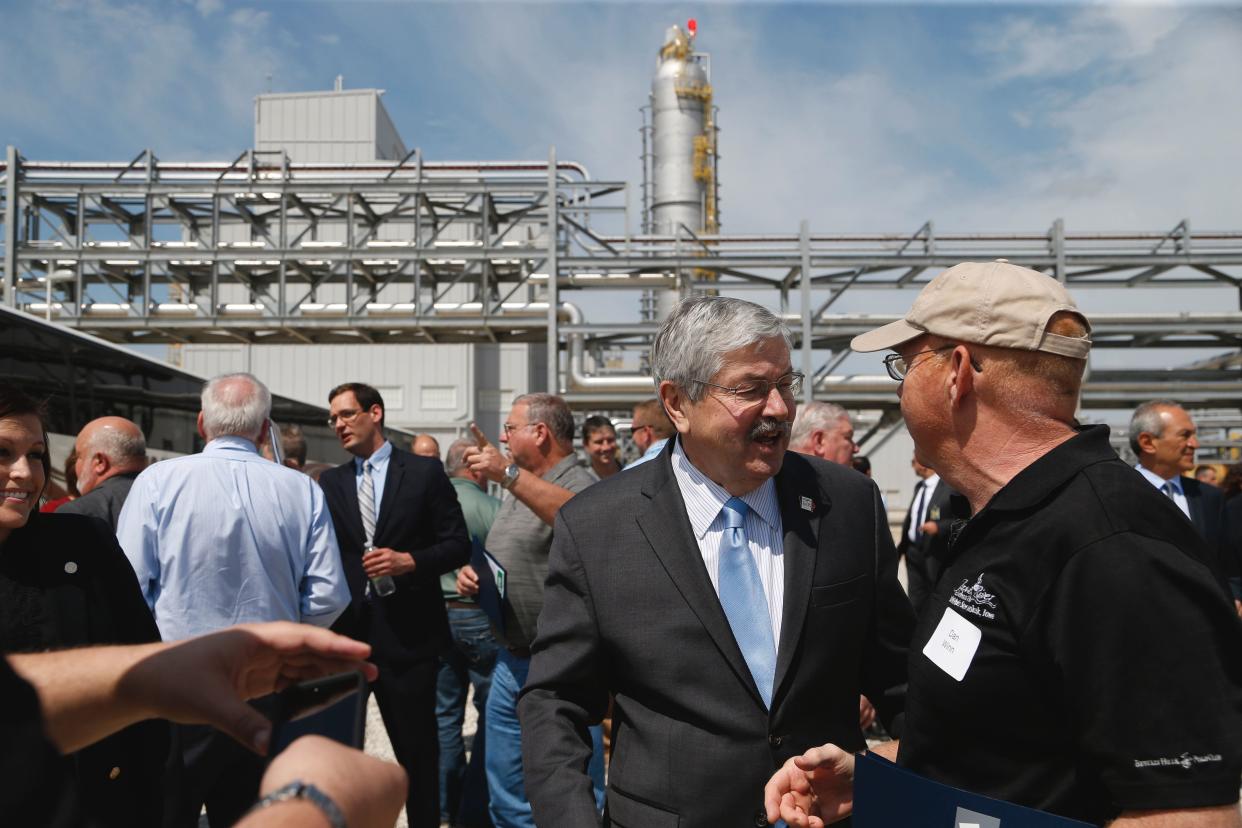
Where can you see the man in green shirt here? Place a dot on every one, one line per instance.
(463, 789)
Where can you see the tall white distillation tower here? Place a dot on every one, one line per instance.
(684, 191)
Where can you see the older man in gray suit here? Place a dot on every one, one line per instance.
(734, 598)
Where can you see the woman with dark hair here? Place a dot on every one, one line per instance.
(64, 582)
(599, 438)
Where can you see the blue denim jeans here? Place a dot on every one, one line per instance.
(509, 806)
(463, 788)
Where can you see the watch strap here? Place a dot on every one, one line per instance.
(308, 792)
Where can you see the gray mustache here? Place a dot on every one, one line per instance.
(769, 427)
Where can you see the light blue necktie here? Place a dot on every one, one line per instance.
(743, 600)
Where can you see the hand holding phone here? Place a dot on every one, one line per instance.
(333, 707)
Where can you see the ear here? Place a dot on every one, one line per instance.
(263, 432)
(1147, 443)
(675, 403)
(201, 432)
(961, 377)
(99, 461)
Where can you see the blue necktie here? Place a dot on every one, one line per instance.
(743, 600)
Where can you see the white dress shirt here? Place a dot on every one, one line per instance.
(1179, 494)
(764, 530)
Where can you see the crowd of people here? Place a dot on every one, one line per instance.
(698, 637)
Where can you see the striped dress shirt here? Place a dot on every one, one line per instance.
(764, 531)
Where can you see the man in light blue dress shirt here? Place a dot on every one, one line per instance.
(226, 537)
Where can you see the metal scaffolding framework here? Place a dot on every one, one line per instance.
(262, 250)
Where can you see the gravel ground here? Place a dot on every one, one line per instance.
(377, 743)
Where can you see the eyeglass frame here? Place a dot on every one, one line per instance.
(892, 359)
(344, 417)
(507, 429)
(796, 378)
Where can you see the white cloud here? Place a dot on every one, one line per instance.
(134, 74)
(1153, 141)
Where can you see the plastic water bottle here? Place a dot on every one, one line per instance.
(384, 585)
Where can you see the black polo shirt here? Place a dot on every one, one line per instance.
(1099, 667)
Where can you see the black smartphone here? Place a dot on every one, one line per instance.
(333, 707)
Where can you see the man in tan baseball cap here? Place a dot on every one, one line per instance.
(1036, 663)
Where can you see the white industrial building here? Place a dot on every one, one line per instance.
(436, 389)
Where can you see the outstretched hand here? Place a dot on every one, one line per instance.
(207, 680)
(812, 790)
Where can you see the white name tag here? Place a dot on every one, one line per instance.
(953, 644)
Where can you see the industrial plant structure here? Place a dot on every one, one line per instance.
(330, 251)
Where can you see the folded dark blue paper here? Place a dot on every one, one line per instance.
(491, 595)
(886, 796)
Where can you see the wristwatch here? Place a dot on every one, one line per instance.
(511, 476)
(304, 790)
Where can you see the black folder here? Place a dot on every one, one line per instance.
(886, 796)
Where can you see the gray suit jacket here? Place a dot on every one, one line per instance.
(104, 501)
(630, 610)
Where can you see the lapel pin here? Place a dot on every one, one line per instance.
(807, 504)
(71, 567)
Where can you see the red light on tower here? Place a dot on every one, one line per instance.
(692, 26)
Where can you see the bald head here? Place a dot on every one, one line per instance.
(107, 447)
(424, 445)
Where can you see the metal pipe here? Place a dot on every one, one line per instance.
(579, 380)
(201, 167)
(10, 227)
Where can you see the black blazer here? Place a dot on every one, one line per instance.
(630, 610)
(105, 501)
(64, 582)
(1207, 509)
(420, 515)
(1207, 513)
(930, 551)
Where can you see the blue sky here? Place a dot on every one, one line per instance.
(856, 117)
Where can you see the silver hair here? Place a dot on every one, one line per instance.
(1146, 418)
(235, 404)
(690, 347)
(815, 416)
(455, 459)
(553, 412)
(118, 445)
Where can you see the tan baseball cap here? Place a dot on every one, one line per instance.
(986, 303)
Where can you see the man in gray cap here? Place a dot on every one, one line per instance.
(1076, 626)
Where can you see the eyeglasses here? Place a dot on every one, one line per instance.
(346, 416)
(756, 391)
(509, 428)
(899, 367)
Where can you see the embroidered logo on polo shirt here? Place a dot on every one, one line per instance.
(1186, 760)
(973, 598)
